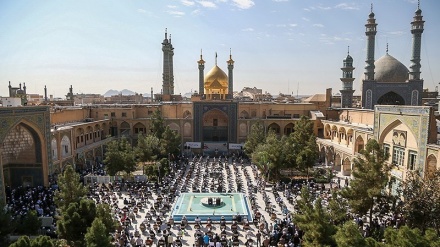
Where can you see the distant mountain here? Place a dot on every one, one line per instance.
(116, 92)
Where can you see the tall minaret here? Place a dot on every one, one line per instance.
(347, 82)
(201, 63)
(167, 75)
(230, 63)
(416, 30)
(370, 32)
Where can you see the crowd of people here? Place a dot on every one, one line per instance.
(143, 208)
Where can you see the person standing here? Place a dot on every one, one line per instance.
(258, 238)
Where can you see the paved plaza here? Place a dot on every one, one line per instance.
(144, 210)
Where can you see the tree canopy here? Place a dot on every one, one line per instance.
(70, 190)
(370, 177)
(119, 156)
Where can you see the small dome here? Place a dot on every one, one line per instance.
(215, 77)
(389, 69)
(348, 59)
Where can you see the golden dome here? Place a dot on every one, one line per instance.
(216, 78)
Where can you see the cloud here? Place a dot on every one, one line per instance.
(397, 33)
(324, 7)
(318, 25)
(195, 12)
(293, 25)
(141, 11)
(332, 40)
(347, 6)
(207, 4)
(187, 2)
(172, 6)
(305, 19)
(176, 13)
(249, 29)
(244, 4)
(279, 1)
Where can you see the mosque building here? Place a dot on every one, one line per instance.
(38, 141)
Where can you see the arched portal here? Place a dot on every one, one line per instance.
(23, 157)
(346, 167)
(431, 166)
(215, 132)
(391, 98)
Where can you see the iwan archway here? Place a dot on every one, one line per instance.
(215, 126)
(25, 158)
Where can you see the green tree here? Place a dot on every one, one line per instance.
(119, 156)
(337, 208)
(97, 235)
(370, 176)
(147, 148)
(349, 236)
(43, 241)
(405, 237)
(70, 189)
(75, 220)
(421, 201)
(268, 157)
(103, 212)
(6, 225)
(157, 124)
(29, 224)
(169, 143)
(301, 147)
(256, 137)
(315, 221)
(23, 241)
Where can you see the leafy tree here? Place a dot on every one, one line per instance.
(421, 196)
(349, 236)
(103, 212)
(405, 237)
(157, 124)
(169, 143)
(314, 220)
(370, 176)
(337, 208)
(23, 241)
(6, 225)
(268, 157)
(97, 235)
(301, 147)
(70, 189)
(119, 157)
(29, 224)
(75, 221)
(147, 148)
(256, 137)
(43, 241)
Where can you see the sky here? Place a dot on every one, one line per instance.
(287, 46)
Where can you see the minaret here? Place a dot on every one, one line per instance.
(151, 94)
(416, 30)
(201, 63)
(230, 63)
(347, 82)
(370, 32)
(45, 93)
(167, 75)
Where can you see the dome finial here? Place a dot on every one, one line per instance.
(170, 38)
(166, 35)
(348, 53)
(201, 53)
(215, 58)
(371, 8)
(230, 53)
(418, 4)
(387, 48)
